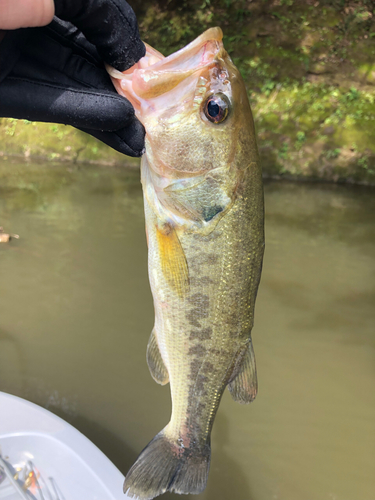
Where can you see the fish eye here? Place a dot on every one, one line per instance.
(216, 108)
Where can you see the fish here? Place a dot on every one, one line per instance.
(204, 212)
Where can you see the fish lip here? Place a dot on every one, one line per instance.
(155, 75)
(162, 76)
(212, 34)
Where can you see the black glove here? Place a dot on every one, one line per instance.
(56, 73)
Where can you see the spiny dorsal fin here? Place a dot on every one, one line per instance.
(244, 386)
(155, 362)
(173, 260)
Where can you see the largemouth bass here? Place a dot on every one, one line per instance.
(203, 201)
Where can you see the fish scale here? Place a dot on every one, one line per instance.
(204, 213)
(227, 338)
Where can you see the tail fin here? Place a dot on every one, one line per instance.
(166, 466)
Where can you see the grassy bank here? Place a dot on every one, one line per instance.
(48, 141)
(309, 67)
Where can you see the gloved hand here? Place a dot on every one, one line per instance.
(56, 73)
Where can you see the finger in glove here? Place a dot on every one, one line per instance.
(110, 25)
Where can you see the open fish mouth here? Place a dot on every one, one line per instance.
(155, 75)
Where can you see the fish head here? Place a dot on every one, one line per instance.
(194, 107)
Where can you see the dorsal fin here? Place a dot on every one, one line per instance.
(244, 386)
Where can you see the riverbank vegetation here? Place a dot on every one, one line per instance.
(309, 67)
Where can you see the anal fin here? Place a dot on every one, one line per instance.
(244, 386)
(155, 362)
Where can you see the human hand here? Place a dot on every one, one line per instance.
(20, 14)
(56, 73)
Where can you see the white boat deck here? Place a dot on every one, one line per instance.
(69, 466)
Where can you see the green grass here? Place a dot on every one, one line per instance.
(308, 67)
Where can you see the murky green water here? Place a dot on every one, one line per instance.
(76, 313)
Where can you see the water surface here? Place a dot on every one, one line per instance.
(76, 313)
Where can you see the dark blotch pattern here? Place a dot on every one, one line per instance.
(200, 303)
(195, 366)
(209, 367)
(201, 334)
(197, 350)
(200, 384)
(200, 282)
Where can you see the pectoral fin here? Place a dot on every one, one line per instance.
(244, 386)
(173, 260)
(155, 362)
